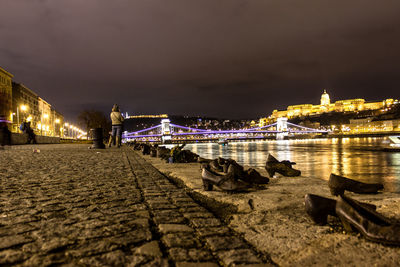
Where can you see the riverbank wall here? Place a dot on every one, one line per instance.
(20, 139)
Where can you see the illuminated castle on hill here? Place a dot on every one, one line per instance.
(349, 105)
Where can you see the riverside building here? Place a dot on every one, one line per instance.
(18, 103)
(28, 106)
(348, 105)
(25, 106)
(6, 94)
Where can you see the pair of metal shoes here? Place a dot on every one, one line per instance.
(282, 167)
(354, 215)
(226, 182)
(153, 152)
(338, 184)
(228, 175)
(146, 149)
(219, 164)
(250, 176)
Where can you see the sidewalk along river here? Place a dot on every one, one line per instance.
(317, 158)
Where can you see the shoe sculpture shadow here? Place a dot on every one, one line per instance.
(372, 225)
(226, 182)
(282, 167)
(338, 184)
(318, 208)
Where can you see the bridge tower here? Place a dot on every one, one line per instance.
(281, 127)
(165, 131)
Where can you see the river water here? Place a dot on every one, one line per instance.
(349, 157)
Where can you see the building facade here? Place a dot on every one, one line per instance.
(367, 125)
(6, 94)
(58, 123)
(28, 106)
(25, 106)
(348, 105)
(44, 125)
(18, 103)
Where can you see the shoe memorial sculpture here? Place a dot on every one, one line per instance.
(338, 184)
(163, 153)
(250, 175)
(224, 167)
(282, 167)
(153, 151)
(180, 155)
(254, 177)
(318, 208)
(226, 163)
(372, 225)
(354, 215)
(215, 166)
(137, 146)
(226, 182)
(146, 149)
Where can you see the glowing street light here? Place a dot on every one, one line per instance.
(24, 108)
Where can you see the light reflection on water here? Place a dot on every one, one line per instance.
(316, 157)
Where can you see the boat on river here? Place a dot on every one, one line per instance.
(394, 144)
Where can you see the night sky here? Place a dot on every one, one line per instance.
(221, 58)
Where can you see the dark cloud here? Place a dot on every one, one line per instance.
(231, 58)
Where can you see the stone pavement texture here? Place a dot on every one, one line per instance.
(73, 206)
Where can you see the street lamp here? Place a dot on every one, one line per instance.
(71, 128)
(66, 132)
(22, 108)
(46, 116)
(12, 119)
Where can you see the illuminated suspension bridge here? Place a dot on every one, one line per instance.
(168, 132)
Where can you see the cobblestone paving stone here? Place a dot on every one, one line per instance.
(72, 206)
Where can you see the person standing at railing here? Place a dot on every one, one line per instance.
(117, 123)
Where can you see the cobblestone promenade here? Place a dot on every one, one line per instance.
(73, 206)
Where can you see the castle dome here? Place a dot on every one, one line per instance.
(325, 99)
